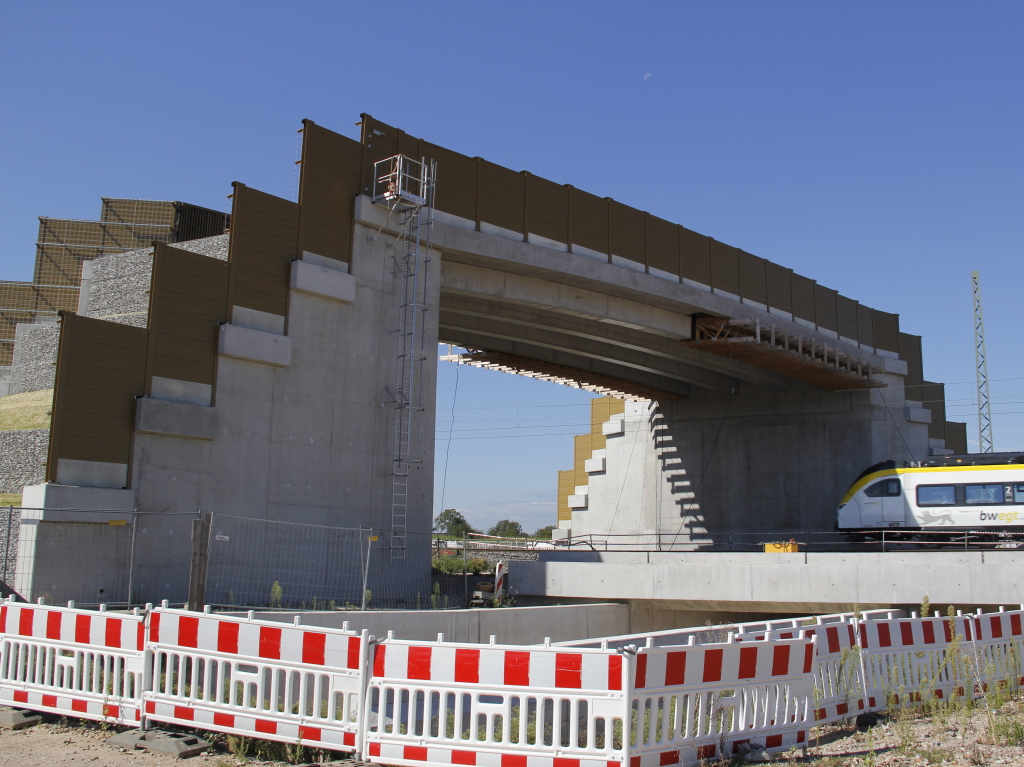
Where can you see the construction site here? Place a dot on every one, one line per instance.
(218, 450)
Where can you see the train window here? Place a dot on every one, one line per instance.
(1018, 493)
(887, 488)
(983, 494)
(936, 495)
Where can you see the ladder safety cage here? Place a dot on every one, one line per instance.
(406, 186)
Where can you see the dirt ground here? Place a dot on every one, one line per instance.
(74, 743)
(958, 738)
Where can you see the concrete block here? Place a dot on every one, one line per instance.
(323, 282)
(18, 718)
(663, 274)
(174, 390)
(578, 501)
(330, 263)
(919, 415)
(254, 319)
(175, 419)
(595, 255)
(440, 217)
(546, 242)
(594, 465)
(91, 473)
(52, 496)
(613, 427)
(498, 231)
(254, 345)
(179, 744)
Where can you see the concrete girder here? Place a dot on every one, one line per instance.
(720, 374)
(549, 267)
(462, 337)
(553, 338)
(463, 279)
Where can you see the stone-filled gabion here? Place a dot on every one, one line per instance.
(120, 284)
(214, 247)
(22, 458)
(119, 291)
(35, 358)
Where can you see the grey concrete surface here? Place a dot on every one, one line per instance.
(323, 281)
(309, 443)
(5, 380)
(792, 583)
(187, 392)
(92, 473)
(254, 345)
(511, 625)
(35, 358)
(708, 469)
(175, 419)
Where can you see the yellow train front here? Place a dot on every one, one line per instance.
(945, 494)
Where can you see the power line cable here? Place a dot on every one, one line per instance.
(447, 452)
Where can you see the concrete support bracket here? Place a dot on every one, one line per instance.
(322, 282)
(254, 346)
(175, 419)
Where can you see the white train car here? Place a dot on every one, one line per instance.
(983, 492)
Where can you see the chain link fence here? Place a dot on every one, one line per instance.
(126, 558)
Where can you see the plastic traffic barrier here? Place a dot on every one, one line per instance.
(261, 679)
(688, 702)
(494, 706)
(80, 663)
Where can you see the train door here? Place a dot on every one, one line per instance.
(883, 503)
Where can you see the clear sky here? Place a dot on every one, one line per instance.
(873, 146)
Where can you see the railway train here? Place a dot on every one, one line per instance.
(982, 493)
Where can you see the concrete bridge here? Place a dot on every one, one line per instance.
(252, 374)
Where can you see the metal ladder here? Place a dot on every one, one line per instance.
(407, 187)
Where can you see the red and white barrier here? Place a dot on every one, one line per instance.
(688, 701)
(79, 663)
(256, 678)
(413, 703)
(494, 706)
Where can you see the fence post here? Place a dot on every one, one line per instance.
(200, 559)
(131, 558)
(366, 571)
(7, 545)
(465, 571)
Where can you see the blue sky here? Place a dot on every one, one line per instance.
(875, 147)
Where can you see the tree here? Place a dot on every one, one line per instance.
(451, 522)
(544, 532)
(506, 528)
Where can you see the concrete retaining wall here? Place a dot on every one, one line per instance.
(511, 625)
(791, 583)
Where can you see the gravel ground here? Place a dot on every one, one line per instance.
(957, 738)
(76, 743)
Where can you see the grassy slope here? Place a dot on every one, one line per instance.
(30, 410)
